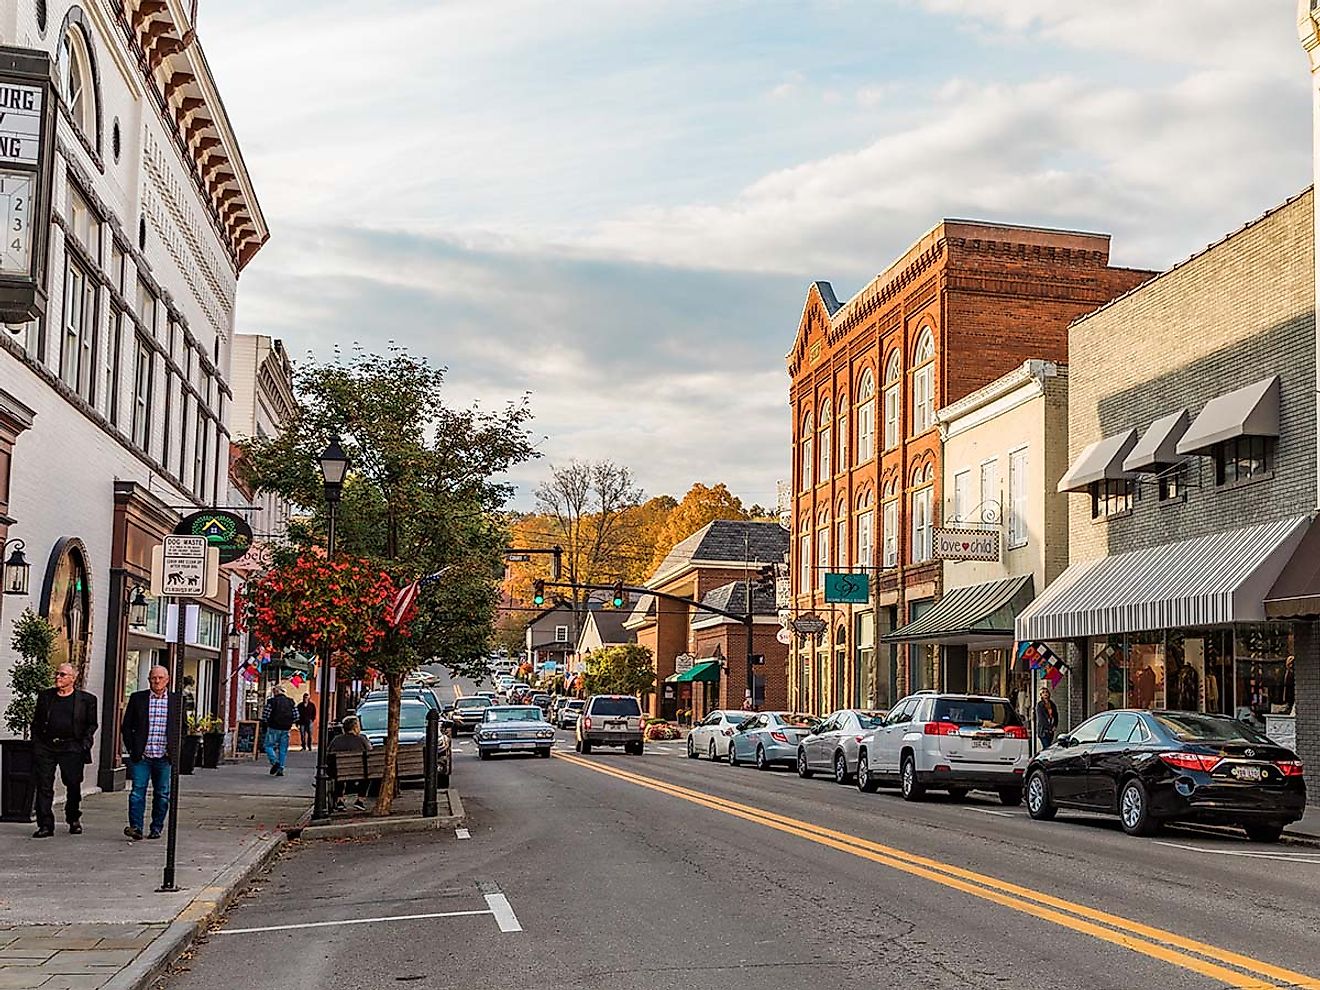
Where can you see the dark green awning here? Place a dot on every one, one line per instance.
(708, 670)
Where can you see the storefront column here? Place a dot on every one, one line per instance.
(1306, 673)
(1078, 658)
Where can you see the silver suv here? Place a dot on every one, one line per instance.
(610, 720)
(951, 742)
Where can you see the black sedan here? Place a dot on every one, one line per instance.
(1155, 767)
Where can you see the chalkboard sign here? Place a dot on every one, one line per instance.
(245, 739)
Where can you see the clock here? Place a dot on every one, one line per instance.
(16, 192)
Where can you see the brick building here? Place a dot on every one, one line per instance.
(964, 305)
(1192, 485)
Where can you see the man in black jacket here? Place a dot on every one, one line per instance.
(63, 729)
(278, 717)
(150, 733)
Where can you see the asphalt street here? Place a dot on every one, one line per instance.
(657, 871)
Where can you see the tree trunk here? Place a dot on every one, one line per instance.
(389, 782)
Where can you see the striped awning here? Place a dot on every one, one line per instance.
(1211, 580)
(977, 614)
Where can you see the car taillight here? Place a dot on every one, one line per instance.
(1289, 768)
(727, 732)
(1191, 761)
(586, 721)
(940, 729)
(779, 737)
(858, 738)
(1015, 732)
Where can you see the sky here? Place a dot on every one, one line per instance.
(617, 206)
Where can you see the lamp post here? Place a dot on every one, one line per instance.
(334, 466)
(17, 571)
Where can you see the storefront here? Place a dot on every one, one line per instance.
(695, 691)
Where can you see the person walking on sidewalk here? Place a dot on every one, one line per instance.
(63, 729)
(150, 734)
(278, 717)
(306, 716)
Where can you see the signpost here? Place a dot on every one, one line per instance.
(847, 589)
(966, 544)
(810, 624)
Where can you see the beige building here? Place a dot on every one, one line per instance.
(264, 404)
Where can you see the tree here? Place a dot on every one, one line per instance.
(422, 495)
(700, 506)
(622, 669)
(34, 641)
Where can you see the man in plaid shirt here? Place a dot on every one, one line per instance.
(149, 729)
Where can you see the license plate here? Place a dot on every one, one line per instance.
(980, 744)
(1248, 773)
(617, 724)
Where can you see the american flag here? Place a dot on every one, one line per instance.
(404, 604)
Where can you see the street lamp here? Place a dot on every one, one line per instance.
(137, 608)
(334, 467)
(17, 570)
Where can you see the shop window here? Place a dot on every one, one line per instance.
(1110, 498)
(67, 603)
(987, 672)
(1244, 459)
(1263, 665)
(1173, 484)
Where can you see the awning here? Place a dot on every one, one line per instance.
(1100, 461)
(1252, 411)
(295, 663)
(1211, 580)
(981, 614)
(1297, 591)
(1158, 447)
(708, 671)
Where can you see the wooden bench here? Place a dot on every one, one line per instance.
(369, 767)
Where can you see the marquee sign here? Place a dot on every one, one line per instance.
(27, 147)
(966, 544)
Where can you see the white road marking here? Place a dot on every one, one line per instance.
(462, 833)
(503, 911)
(356, 921)
(992, 811)
(1311, 859)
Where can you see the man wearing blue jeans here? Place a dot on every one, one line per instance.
(149, 730)
(278, 717)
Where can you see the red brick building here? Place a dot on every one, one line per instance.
(967, 303)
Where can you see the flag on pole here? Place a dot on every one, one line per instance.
(404, 604)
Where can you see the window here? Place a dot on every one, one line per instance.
(1017, 498)
(826, 439)
(866, 418)
(1173, 484)
(167, 443)
(1121, 727)
(210, 627)
(804, 562)
(891, 533)
(117, 266)
(843, 433)
(75, 81)
(112, 366)
(184, 406)
(561, 632)
(1091, 730)
(1112, 497)
(808, 452)
(84, 224)
(201, 455)
(893, 400)
(79, 348)
(841, 536)
(921, 526)
(146, 306)
(923, 383)
(990, 501)
(141, 394)
(822, 551)
(865, 537)
(962, 495)
(1243, 459)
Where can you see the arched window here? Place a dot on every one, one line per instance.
(841, 534)
(893, 400)
(923, 524)
(826, 444)
(866, 417)
(66, 600)
(842, 431)
(804, 556)
(77, 76)
(808, 463)
(923, 383)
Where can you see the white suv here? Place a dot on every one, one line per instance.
(610, 720)
(952, 742)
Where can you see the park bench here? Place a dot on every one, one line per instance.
(370, 766)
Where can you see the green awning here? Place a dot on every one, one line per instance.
(297, 663)
(708, 670)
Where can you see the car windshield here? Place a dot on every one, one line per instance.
(870, 720)
(799, 720)
(513, 715)
(473, 702)
(735, 718)
(575, 704)
(1207, 728)
(975, 711)
(372, 718)
(615, 706)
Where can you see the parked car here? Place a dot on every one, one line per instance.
(610, 720)
(1149, 768)
(832, 745)
(423, 677)
(512, 729)
(467, 711)
(951, 742)
(520, 694)
(410, 692)
(568, 714)
(767, 738)
(542, 701)
(492, 695)
(710, 737)
(374, 715)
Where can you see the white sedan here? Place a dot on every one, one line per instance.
(711, 736)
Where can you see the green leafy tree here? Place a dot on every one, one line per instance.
(424, 494)
(34, 642)
(622, 669)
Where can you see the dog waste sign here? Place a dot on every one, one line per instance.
(185, 569)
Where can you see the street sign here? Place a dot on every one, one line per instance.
(185, 567)
(966, 544)
(784, 636)
(847, 589)
(683, 663)
(518, 558)
(810, 624)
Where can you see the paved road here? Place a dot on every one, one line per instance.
(659, 872)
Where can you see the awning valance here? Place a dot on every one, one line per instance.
(1211, 580)
(1297, 591)
(1252, 411)
(1100, 461)
(708, 671)
(975, 615)
(1158, 447)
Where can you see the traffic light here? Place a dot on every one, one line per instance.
(765, 578)
(618, 594)
(538, 592)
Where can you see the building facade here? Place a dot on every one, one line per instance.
(126, 375)
(966, 304)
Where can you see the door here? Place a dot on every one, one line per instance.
(700, 734)
(1068, 771)
(889, 738)
(817, 744)
(743, 742)
(1111, 757)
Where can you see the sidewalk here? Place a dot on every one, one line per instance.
(81, 912)
(1309, 826)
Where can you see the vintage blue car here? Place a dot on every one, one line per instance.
(513, 729)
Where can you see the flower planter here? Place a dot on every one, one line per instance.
(18, 785)
(213, 747)
(188, 753)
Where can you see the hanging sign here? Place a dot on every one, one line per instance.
(966, 544)
(226, 531)
(847, 589)
(27, 147)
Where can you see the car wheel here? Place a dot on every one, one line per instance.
(635, 748)
(1039, 805)
(913, 789)
(803, 770)
(1010, 797)
(761, 762)
(714, 756)
(840, 768)
(1263, 833)
(865, 782)
(483, 754)
(586, 746)
(544, 752)
(957, 793)
(733, 755)
(691, 749)
(1134, 809)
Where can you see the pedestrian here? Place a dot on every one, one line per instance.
(63, 729)
(351, 740)
(1047, 718)
(306, 716)
(150, 734)
(278, 717)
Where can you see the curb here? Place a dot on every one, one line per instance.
(374, 827)
(196, 918)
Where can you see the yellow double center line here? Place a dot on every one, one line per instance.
(1200, 957)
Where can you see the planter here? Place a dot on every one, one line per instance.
(213, 747)
(18, 786)
(188, 753)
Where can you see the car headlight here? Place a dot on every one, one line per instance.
(545, 733)
(478, 734)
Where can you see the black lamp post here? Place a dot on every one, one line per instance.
(18, 571)
(137, 608)
(334, 466)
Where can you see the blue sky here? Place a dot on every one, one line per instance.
(617, 205)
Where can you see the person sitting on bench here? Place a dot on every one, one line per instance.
(351, 740)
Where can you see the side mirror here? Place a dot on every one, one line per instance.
(1064, 740)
